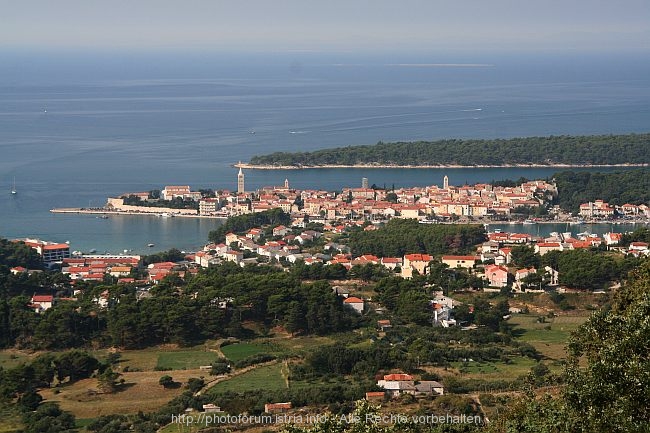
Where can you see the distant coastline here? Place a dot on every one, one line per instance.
(370, 165)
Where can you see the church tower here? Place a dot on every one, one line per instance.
(286, 184)
(445, 182)
(240, 181)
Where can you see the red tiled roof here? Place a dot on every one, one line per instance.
(56, 247)
(126, 280)
(494, 268)
(271, 406)
(398, 376)
(418, 257)
(391, 260)
(353, 300)
(470, 258)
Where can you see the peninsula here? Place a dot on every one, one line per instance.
(552, 151)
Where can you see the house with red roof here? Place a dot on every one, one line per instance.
(496, 275)
(544, 247)
(630, 209)
(281, 231)
(254, 233)
(391, 263)
(612, 238)
(357, 304)
(397, 384)
(453, 262)
(417, 262)
(638, 246)
(597, 208)
(42, 302)
(365, 260)
(18, 270)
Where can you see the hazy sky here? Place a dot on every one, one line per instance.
(326, 24)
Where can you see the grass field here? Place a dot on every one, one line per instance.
(11, 358)
(495, 370)
(184, 359)
(142, 360)
(237, 352)
(268, 377)
(10, 421)
(303, 344)
(551, 337)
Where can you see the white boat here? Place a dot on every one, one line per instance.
(151, 245)
(529, 222)
(13, 188)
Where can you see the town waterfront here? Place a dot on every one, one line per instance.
(72, 141)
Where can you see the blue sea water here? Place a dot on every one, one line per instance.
(78, 127)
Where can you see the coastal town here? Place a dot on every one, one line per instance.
(528, 202)
(318, 220)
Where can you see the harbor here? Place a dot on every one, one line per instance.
(153, 213)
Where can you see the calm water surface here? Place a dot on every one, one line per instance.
(74, 130)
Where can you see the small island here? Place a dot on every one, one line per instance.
(552, 151)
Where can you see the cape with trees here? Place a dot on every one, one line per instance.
(552, 150)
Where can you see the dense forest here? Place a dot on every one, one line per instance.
(407, 236)
(616, 188)
(579, 150)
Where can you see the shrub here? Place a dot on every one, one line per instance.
(166, 381)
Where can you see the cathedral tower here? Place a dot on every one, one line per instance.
(240, 181)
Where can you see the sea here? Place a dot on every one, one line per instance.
(77, 127)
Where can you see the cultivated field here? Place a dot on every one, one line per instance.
(185, 359)
(268, 377)
(238, 351)
(549, 337)
(516, 368)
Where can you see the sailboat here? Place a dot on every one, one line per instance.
(13, 189)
